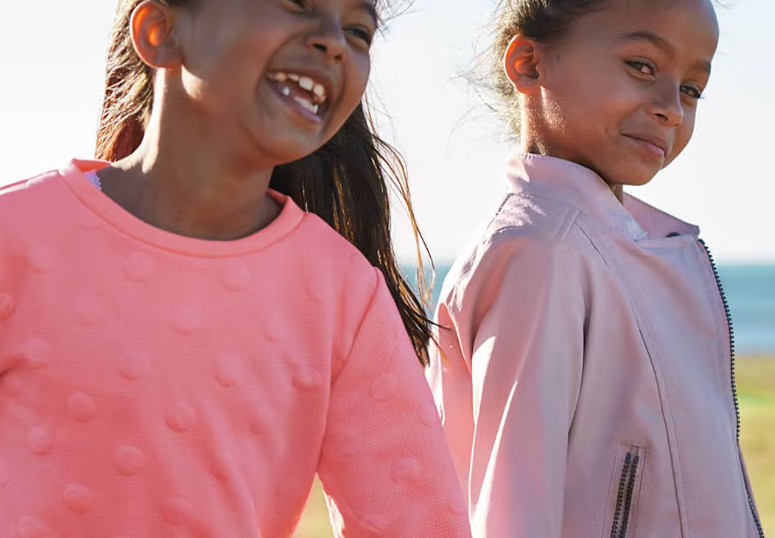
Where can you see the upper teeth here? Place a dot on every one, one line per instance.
(306, 83)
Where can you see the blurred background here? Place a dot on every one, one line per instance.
(53, 57)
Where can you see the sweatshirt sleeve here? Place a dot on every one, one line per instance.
(385, 467)
(526, 364)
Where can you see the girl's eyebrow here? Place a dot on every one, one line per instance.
(662, 43)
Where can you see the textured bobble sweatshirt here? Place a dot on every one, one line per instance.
(153, 385)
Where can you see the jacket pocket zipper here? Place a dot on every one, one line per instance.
(624, 495)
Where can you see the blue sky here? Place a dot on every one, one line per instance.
(53, 55)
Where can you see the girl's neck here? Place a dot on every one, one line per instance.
(182, 185)
(538, 148)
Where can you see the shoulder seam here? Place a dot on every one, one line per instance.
(558, 235)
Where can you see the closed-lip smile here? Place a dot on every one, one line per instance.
(657, 142)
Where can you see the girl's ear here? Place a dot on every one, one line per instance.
(153, 36)
(521, 63)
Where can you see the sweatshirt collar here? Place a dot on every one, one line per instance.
(106, 209)
(585, 190)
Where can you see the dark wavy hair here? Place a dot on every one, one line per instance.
(347, 182)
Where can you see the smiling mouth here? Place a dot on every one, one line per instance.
(657, 147)
(308, 93)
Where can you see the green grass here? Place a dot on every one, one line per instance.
(314, 524)
(756, 391)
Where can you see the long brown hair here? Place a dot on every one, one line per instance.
(347, 182)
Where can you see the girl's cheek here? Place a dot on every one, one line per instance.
(364, 71)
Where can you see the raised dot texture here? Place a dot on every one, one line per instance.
(222, 467)
(406, 471)
(82, 407)
(456, 507)
(236, 277)
(384, 388)
(272, 330)
(261, 423)
(29, 527)
(88, 309)
(129, 460)
(180, 417)
(39, 441)
(134, 365)
(78, 498)
(227, 370)
(37, 353)
(428, 415)
(318, 291)
(7, 305)
(40, 258)
(177, 511)
(186, 320)
(306, 379)
(139, 266)
(347, 442)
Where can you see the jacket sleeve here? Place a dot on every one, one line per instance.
(385, 467)
(526, 363)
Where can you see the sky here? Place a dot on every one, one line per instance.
(53, 55)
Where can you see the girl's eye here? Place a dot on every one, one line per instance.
(643, 67)
(298, 4)
(362, 34)
(692, 91)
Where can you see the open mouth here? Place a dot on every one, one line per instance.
(306, 92)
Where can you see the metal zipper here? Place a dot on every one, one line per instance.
(628, 498)
(624, 496)
(731, 329)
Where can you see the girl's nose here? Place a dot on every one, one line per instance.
(666, 104)
(329, 39)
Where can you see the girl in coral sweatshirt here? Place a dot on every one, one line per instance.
(195, 325)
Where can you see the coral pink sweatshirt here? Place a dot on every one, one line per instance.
(156, 386)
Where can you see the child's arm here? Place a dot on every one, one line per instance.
(526, 373)
(385, 466)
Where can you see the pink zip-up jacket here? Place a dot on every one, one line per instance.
(585, 376)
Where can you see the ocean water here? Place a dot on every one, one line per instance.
(750, 290)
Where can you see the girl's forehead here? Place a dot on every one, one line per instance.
(689, 26)
(702, 10)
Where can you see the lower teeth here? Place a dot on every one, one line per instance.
(307, 105)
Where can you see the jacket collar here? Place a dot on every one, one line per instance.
(582, 188)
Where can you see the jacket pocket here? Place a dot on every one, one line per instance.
(622, 506)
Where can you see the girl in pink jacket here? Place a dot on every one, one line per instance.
(585, 374)
(185, 339)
